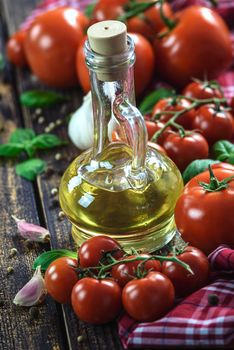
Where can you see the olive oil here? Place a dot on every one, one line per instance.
(98, 197)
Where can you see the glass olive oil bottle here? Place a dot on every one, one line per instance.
(122, 188)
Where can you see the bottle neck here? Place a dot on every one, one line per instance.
(104, 97)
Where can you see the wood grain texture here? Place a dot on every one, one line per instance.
(93, 337)
(17, 329)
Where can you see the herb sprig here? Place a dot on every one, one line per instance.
(25, 141)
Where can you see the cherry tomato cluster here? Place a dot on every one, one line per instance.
(52, 46)
(195, 130)
(105, 280)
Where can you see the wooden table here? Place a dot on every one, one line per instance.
(56, 327)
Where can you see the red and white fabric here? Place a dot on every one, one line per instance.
(193, 321)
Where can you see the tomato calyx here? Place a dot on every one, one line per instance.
(215, 185)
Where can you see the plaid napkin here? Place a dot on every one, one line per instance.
(225, 8)
(194, 321)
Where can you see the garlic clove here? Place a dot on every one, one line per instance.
(80, 127)
(32, 232)
(33, 292)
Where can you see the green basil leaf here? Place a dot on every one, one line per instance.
(29, 149)
(37, 98)
(45, 141)
(2, 62)
(196, 167)
(148, 103)
(21, 135)
(231, 158)
(89, 10)
(30, 168)
(222, 150)
(10, 149)
(46, 258)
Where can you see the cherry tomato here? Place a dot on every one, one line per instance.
(91, 251)
(183, 281)
(154, 126)
(215, 124)
(15, 49)
(125, 272)
(60, 278)
(51, 44)
(205, 219)
(143, 68)
(96, 301)
(149, 298)
(199, 45)
(172, 104)
(149, 22)
(156, 146)
(203, 90)
(183, 150)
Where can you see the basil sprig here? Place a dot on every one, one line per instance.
(223, 151)
(40, 99)
(26, 141)
(46, 258)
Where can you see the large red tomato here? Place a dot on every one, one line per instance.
(183, 150)
(143, 68)
(205, 219)
(183, 281)
(171, 104)
(214, 123)
(60, 278)
(51, 44)
(149, 298)
(198, 46)
(15, 49)
(96, 301)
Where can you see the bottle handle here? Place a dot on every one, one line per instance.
(133, 123)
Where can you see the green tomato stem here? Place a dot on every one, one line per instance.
(195, 103)
(103, 269)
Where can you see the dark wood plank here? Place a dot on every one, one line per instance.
(104, 337)
(17, 329)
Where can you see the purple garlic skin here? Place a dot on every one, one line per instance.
(32, 232)
(33, 292)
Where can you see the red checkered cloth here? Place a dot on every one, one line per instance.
(193, 322)
(225, 8)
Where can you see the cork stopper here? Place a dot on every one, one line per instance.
(108, 38)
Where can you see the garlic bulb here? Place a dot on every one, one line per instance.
(80, 127)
